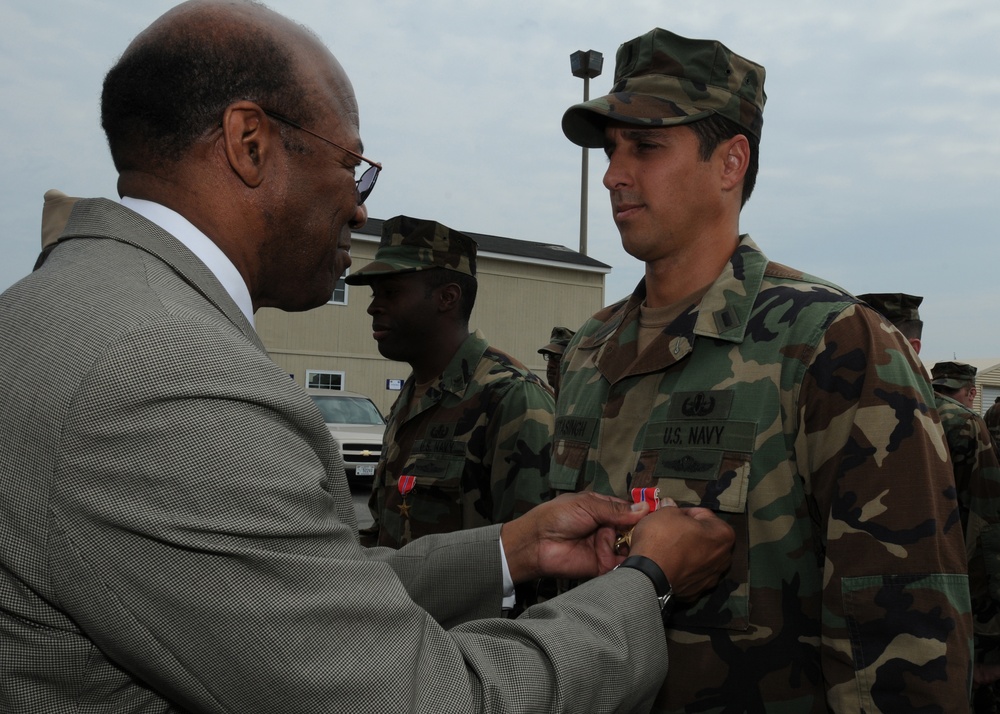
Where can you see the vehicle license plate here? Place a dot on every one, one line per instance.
(365, 470)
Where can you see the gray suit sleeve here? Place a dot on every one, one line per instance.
(202, 539)
(470, 560)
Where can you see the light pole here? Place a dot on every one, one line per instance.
(585, 65)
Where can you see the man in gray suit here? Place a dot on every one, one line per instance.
(176, 533)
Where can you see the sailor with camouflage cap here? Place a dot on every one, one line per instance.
(773, 398)
(553, 352)
(467, 440)
(956, 380)
(976, 467)
(902, 311)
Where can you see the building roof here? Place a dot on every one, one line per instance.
(989, 368)
(982, 366)
(512, 247)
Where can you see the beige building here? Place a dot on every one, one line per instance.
(987, 383)
(525, 289)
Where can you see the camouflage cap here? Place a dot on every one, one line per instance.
(897, 308)
(953, 375)
(663, 79)
(412, 244)
(558, 340)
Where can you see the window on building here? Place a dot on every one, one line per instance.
(339, 296)
(324, 379)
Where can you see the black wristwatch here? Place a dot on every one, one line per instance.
(648, 567)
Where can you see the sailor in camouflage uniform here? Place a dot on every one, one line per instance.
(977, 478)
(992, 419)
(956, 380)
(772, 397)
(553, 352)
(902, 311)
(468, 439)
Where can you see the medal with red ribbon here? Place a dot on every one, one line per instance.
(650, 496)
(405, 484)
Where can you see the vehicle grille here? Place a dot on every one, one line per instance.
(353, 452)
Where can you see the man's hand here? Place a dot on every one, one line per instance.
(571, 536)
(692, 546)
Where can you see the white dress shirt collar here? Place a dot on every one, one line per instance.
(198, 243)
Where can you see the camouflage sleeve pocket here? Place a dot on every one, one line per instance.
(898, 628)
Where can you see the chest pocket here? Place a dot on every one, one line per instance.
(571, 444)
(706, 463)
(433, 503)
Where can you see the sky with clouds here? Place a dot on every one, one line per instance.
(880, 166)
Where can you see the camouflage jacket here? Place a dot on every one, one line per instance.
(992, 419)
(478, 446)
(977, 478)
(804, 420)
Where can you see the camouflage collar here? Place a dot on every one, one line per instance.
(723, 311)
(943, 399)
(457, 374)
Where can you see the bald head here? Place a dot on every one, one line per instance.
(205, 113)
(176, 78)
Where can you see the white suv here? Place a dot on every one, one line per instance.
(357, 425)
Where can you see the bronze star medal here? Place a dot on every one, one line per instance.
(405, 486)
(624, 539)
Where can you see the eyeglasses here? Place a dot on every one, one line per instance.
(363, 185)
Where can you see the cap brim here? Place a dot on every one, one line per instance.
(552, 348)
(584, 123)
(379, 269)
